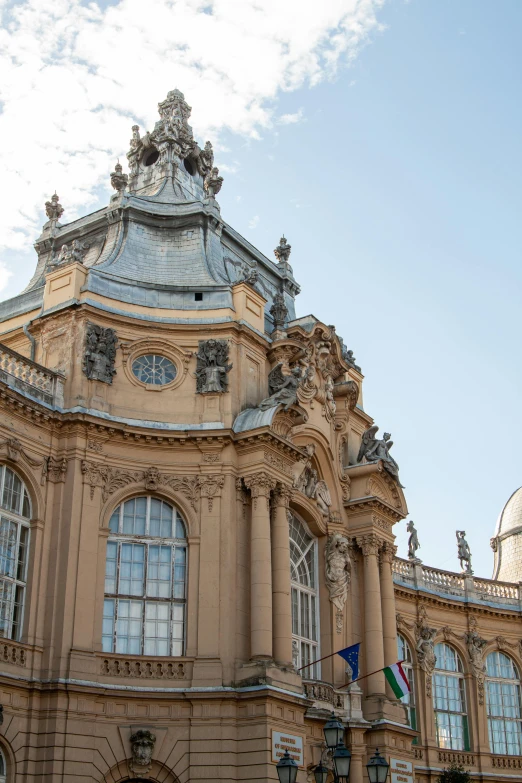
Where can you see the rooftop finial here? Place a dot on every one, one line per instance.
(283, 250)
(118, 178)
(53, 208)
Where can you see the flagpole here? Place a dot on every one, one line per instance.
(366, 675)
(319, 659)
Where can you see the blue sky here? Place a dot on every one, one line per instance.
(395, 175)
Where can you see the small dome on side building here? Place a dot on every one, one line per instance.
(507, 541)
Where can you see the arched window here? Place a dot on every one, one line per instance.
(15, 513)
(404, 653)
(305, 597)
(3, 768)
(503, 705)
(145, 580)
(450, 699)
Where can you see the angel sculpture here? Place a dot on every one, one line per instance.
(374, 449)
(283, 388)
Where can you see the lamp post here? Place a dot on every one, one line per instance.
(377, 768)
(286, 769)
(341, 756)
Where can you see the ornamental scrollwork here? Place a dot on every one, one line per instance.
(210, 487)
(369, 544)
(260, 486)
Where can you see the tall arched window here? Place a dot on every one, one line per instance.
(305, 597)
(404, 653)
(3, 767)
(145, 580)
(15, 513)
(503, 705)
(450, 699)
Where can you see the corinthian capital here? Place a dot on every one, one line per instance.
(260, 485)
(369, 544)
(282, 495)
(388, 552)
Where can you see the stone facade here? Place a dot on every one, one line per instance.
(206, 510)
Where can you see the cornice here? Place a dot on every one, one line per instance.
(464, 607)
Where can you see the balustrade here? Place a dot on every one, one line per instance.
(30, 378)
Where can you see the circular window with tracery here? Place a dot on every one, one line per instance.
(154, 369)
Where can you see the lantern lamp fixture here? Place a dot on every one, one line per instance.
(286, 769)
(377, 768)
(333, 732)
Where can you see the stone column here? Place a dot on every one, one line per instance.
(260, 485)
(373, 641)
(282, 607)
(389, 622)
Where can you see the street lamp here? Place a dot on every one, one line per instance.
(333, 732)
(377, 768)
(320, 773)
(341, 759)
(286, 769)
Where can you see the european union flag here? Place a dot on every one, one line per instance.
(351, 656)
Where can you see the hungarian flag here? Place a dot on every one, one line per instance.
(397, 680)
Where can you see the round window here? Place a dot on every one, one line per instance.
(155, 369)
(190, 166)
(151, 158)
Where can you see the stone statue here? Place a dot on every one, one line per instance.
(283, 250)
(295, 653)
(413, 541)
(426, 648)
(119, 180)
(476, 646)
(69, 254)
(205, 160)
(283, 388)
(372, 449)
(213, 183)
(100, 353)
(464, 552)
(321, 494)
(279, 311)
(142, 746)
(212, 367)
(303, 469)
(135, 141)
(337, 569)
(53, 209)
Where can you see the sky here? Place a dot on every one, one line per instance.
(383, 139)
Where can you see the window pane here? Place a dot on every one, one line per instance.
(132, 569)
(128, 627)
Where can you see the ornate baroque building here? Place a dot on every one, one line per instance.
(195, 504)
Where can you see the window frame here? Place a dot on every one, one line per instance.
(3, 765)
(408, 699)
(298, 590)
(176, 615)
(504, 720)
(19, 580)
(449, 676)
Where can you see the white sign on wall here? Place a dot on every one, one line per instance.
(401, 771)
(282, 741)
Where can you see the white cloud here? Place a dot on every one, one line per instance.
(290, 119)
(254, 222)
(75, 77)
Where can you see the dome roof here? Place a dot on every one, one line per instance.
(510, 518)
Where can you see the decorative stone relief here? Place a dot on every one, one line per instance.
(53, 208)
(56, 469)
(119, 180)
(337, 571)
(413, 542)
(210, 488)
(387, 553)
(476, 648)
(110, 479)
(278, 462)
(15, 451)
(212, 367)
(279, 311)
(142, 747)
(425, 646)
(464, 552)
(100, 353)
(372, 450)
(307, 481)
(283, 388)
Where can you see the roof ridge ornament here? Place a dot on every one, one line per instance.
(119, 180)
(282, 253)
(53, 209)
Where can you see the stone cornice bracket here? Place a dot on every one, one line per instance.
(369, 544)
(210, 487)
(282, 496)
(260, 485)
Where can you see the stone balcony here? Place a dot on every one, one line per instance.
(457, 587)
(30, 379)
